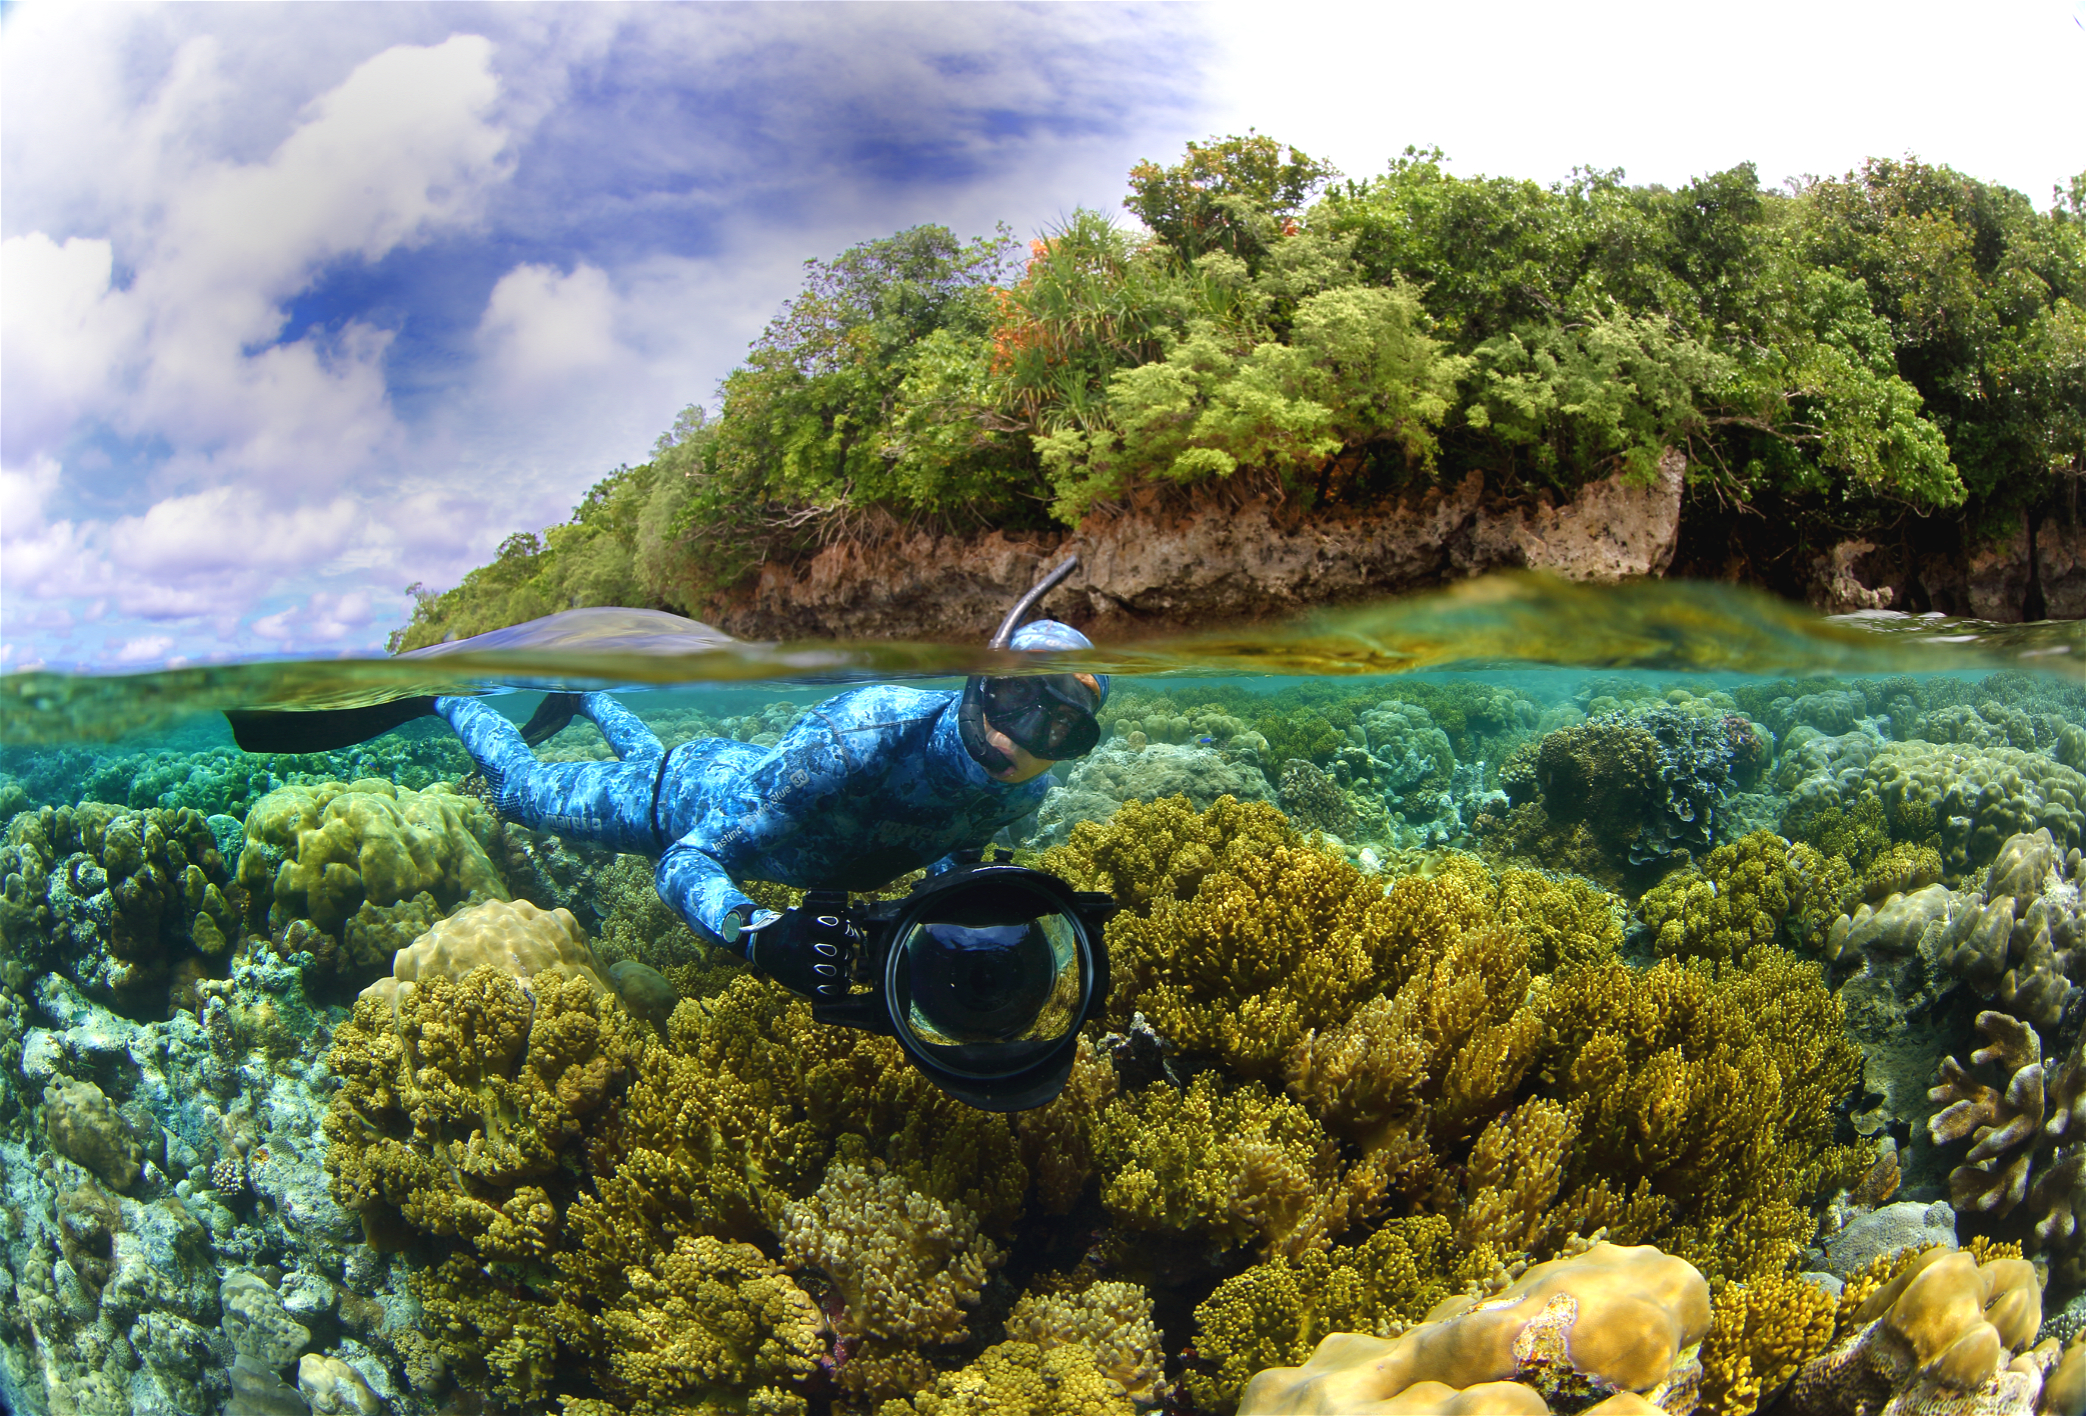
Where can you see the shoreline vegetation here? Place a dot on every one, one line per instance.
(1862, 373)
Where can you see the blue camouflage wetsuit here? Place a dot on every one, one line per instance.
(865, 787)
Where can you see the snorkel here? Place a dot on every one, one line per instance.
(1048, 715)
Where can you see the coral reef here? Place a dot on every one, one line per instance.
(2024, 1166)
(1979, 797)
(1341, 1087)
(1946, 1329)
(1585, 1329)
(130, 905)
(317, 857)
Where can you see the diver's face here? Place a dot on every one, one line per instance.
(1026, 765)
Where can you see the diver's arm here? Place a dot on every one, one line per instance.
(703, 892)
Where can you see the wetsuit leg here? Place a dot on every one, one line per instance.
(608, 802)
(627, 735)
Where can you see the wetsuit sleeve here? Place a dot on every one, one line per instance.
(702, 892)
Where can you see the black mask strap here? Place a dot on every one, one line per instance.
(970, 725)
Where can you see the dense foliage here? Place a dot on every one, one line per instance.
(1903, 338)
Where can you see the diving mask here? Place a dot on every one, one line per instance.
(1049, 716)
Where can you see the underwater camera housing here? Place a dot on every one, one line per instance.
(984, 974)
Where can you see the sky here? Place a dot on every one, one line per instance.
(304, 304)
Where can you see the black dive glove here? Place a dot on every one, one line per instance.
(808, 951)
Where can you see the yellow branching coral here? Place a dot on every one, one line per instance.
(904, 1265)
(1760, 1334)
(496, 1336)
(740, 1112)
(1161, 850)
(1743, 896)
(1270, 946)
(1230, 1166)
(1714, 1086)
(452, 1106)
(1057, 1138)
(1432, 1059)
(1020, 1379)
(1113, 1321)
(1514, 1173)
(707, 1329)
(1275, 1313)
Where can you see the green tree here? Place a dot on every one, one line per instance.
(1236, 195)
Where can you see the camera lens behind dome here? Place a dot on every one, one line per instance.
(967, 986)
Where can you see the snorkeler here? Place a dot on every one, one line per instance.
(985, 982)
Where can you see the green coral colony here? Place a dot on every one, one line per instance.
(1506, 1042)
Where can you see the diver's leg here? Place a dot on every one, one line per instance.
(627, 735)
(609, 802)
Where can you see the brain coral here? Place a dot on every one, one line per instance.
(1604, 1323)
(325, 853)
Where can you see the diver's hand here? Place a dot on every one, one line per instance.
(806, 953)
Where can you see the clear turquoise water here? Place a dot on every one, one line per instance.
(1397, 737)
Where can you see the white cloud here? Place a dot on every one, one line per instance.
(540, 325)
(147, 649)
(169, 326)
(1524, 89)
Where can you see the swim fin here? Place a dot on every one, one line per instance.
(550, 717)
(321, 729)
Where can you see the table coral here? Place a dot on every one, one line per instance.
(322, 853)
(1610, 1321)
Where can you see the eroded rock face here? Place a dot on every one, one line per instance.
(1211, 561)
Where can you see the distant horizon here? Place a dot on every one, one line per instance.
(304, 306)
